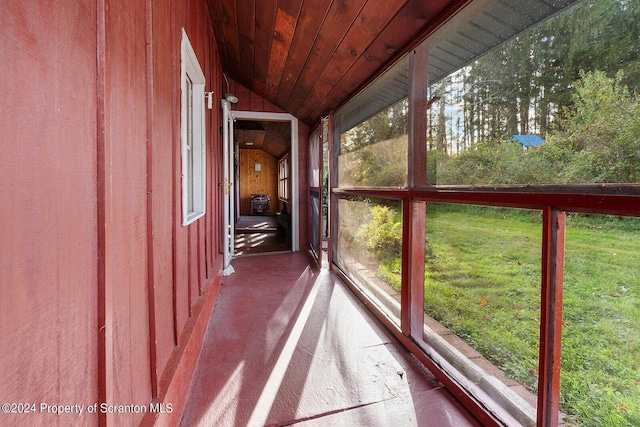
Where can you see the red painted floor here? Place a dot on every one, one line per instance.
(290, 345)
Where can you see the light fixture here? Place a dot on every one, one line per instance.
(229, 96)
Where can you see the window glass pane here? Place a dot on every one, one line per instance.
(189, 146)
(315, 219)
(482, 298)
(369, 247)
(314, 160)
(283, 188)
(374, 153)
(192, 135)
(600, 369)
(558, 104)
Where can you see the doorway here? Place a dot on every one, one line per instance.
(264, 197)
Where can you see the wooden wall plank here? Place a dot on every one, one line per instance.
(126, 116)
(252, 182)
(92, 203)
(48, 215)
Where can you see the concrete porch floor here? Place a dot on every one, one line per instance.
(288, 344)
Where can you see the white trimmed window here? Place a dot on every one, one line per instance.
(193, 139)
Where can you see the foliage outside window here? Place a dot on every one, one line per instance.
(370, 248)
(574, 81)
(374, 153)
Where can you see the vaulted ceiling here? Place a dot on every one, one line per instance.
(308, 56)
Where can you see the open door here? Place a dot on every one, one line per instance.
(229, 187)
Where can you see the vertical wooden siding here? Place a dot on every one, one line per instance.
(126, 292)
(48, 237)
(101, 287)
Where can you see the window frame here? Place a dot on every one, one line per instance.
(192, 135)
(283, 178)
(553, 201)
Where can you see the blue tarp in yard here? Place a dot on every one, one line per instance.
(528, 140)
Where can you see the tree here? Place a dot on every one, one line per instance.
(603, 127)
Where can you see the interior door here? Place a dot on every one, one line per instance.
(315, 193)
(229, 187)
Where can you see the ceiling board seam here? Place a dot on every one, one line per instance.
(274, 92)
(355, 18)
(366, 49)
(306, 60)
(529, 18)
(295, 27)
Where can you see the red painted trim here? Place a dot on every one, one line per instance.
(415, 211)
(176, 109)
(413, 248)
(602, 203)
(553, 229)
(153, 350)
(405, 282)
(416, 279)
(103, 189)
(417, 124)
(330, 200)
(176, 379)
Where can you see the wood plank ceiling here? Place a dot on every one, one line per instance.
(308, 56)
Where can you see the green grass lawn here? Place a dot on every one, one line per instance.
(483, 283)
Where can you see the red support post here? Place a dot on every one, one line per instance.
(413, 244)
(553, 230)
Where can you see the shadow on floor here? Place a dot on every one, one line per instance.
(257, 234)
(288, 344)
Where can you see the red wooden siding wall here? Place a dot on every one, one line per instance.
(101, 289)
(48, 235)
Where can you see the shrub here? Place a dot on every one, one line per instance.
(382, 235)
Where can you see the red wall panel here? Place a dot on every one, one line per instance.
(100, 282)
(129, 379)
(163, 134)
(48, 238)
